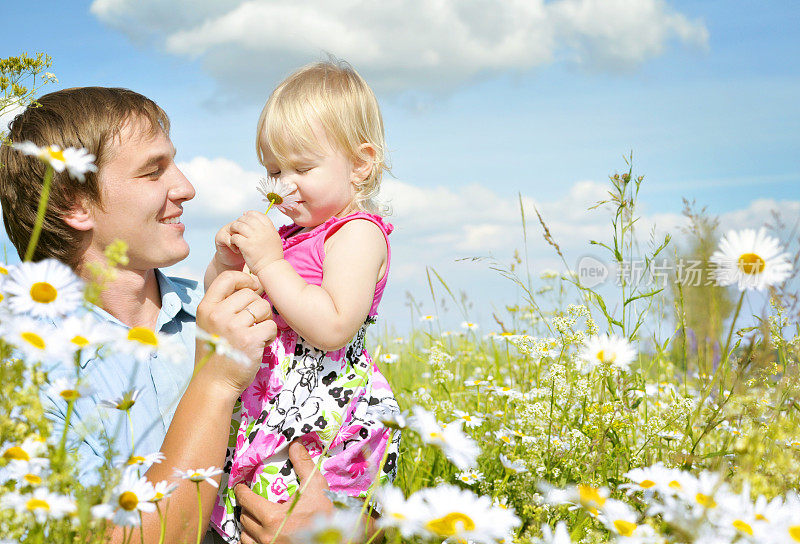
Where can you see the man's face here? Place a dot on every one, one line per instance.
(142, 195)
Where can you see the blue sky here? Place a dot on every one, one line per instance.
(704, 93)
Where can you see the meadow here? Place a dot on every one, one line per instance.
(574, 420)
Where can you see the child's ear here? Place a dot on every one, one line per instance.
(365, 162)
(80, 216)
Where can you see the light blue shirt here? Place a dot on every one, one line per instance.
(161, 382)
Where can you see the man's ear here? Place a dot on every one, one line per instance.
(363, 165)
(79, 217)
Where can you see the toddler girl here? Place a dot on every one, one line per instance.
(321, 134)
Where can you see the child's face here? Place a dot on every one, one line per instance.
(324, 180)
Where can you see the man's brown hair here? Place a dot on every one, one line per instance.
(88, 117)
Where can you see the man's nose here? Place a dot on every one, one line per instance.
(180, 188)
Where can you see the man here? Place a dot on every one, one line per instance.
(137, 195)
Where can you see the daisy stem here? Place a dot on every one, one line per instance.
(130, 425)
(37, 226)
(373, 486)
(271, 202)
(163, 532)
(199, 513)
(63, 442)
(724, 358)
(141, 527)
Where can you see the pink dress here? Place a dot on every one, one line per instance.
(316, 397)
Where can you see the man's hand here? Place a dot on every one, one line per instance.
(257, 240)
(232, 309)
(261, 518)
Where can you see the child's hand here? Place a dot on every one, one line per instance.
(227, 255)
(257, 240)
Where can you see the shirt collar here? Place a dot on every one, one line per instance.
(175, 296)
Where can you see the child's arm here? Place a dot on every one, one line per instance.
(329, 315)
(226, 256)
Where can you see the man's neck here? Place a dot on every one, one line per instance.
(133, 297)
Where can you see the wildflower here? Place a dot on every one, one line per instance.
(469, 420)
(124, 403)
(278, 193)
(69, 389)
(516, 467)
(751, 259)
(163, 490)
(340, 499)
(392, 419)
(76, 161)
(548, 274)
(397, 512)
(142, 342)
(619, 517)
(470, 477)
(36, 340)
(389, 358)
(469, 326)
(200, 474)
(30, 473)
(222, 347)
(611, 350)
(399, 340)
(142, 460)
(460, 449)
(426, 318)
(85, 331)
(47, 288)
(339, 528)
(461, 515)
(131, 497)
(560, 536)
(41, 503)
(26, 457)
(505, 436)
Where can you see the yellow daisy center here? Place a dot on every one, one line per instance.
(69, 394)
(451, 524)
(275, 198)
(743, 527)
(126, 404)
(675, 484)
(55, 154)
(3, 270)
(79, 340)
(625, 528)
(398, 515)
(705, 500)
(647, 484)
(33, 339)
(589, 495)
(16, 454)
(331, 535)
(135, 459)
(32, 479)
(761, 517)
(750, 263)
(128, 500)
(143, 335)
(436, 436)
(37, 504)
(794, 532)
(158, 496)
(43, 292)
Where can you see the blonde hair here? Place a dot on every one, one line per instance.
(335, 95)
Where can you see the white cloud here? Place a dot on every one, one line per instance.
(7, 115)
(405, 44)
(224, 189)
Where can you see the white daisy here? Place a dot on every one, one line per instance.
(143, 342)
(343, 526)
(750, 259)
(222, 347)
(611, 350)
(70, 389)
(469, 420)
(459, 448)
(388, 358)
(470, 477)
(76, 161)
(462, 515)
(427, 318)
(31, 474)
(163, 490)
(38, 341)
(86, 331)
(468, 325)
(123, 403)
(200, 474)
(517, 467)
(131, 497)
(396, 511)
(47, 288)
(619, 517)
(559, 536)
(278, 193)
(142, 460)
(41, 503)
